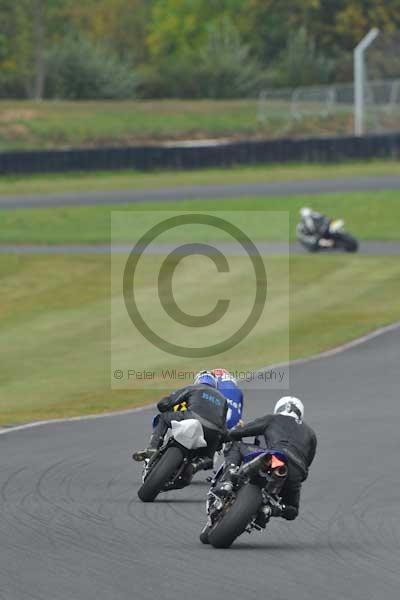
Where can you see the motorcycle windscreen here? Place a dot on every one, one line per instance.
(188, 433)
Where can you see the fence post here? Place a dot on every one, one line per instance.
(359, 80)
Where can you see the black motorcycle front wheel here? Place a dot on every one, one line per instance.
(161, 474)
(347, 242)
(236, 518)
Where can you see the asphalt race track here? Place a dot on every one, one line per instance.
(367, 248)
(171, 194)
(72, 527)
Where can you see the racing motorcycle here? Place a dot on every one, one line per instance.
(249, 505)
(335, 237)
(171, 467)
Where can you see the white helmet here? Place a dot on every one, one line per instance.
(305, 212)
(290, 407)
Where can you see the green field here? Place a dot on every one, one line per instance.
(125, 180)
(54, 335)
(369, 215)
(55, 124)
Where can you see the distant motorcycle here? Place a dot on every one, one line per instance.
(316, 232)
(171, 468)
(256, 491)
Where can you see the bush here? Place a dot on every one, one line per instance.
(80, 70)
(11, 86)
(226, 67)
(301, 64)
(170, 78)
(222, 68)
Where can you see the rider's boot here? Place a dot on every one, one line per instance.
(263, 516)
(154, 443)
(144, 454)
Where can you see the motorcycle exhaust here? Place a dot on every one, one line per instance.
(276, 479)
(280, 471)
(265, 464)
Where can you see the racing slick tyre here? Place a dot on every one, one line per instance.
(236, 518)
(160, 474)
(204, 535)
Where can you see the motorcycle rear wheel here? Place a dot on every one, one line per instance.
(160, 474)
(235, 520)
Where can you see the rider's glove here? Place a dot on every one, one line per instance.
(234, 435)
(226, 437)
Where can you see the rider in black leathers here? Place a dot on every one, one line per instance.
(285, 431)
(312, 229)
(201, 401)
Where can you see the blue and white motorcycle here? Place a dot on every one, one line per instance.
(226, 384)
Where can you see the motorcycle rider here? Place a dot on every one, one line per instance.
(201, 401)
(286, 431)
(227, 384)
(312, 229)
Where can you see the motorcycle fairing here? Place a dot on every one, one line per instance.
(189, 433)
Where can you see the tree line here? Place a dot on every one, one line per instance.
(82, 49)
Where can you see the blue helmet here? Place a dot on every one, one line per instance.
(205, 377)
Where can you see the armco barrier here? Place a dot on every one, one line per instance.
(184, 156)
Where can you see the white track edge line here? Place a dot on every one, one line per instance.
(338, 349)
(115, 413)
(326, 354)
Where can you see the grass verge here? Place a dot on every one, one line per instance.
(55, 124)
(54, 334)
(369, 215)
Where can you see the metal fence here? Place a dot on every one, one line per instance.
(332, 106)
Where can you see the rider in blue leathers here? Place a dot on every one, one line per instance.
(227, 384)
